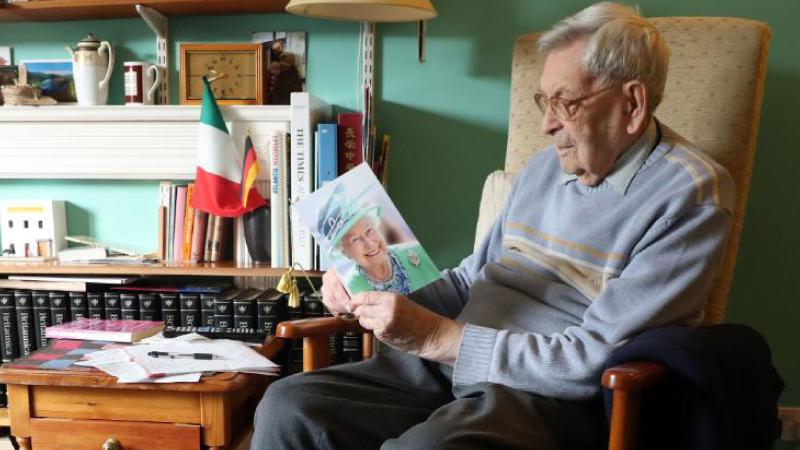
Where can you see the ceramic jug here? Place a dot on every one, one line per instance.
(92, 63)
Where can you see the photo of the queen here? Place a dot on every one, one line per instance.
(366, 239)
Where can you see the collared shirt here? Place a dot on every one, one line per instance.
(629, 162)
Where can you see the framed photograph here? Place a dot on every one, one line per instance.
(235, 68)
(284, 64)
(9, 75)
(369, 244)
(5, 56)
(52, 76)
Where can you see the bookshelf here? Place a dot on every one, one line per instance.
(221, 269)
(55, 10)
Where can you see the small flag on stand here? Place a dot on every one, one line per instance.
(222, 186)
(250, 171)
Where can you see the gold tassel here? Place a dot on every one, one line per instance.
(288, 285)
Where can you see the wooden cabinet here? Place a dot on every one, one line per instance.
(82, 410)
(53, 10)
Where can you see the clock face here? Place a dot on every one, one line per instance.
(234, 73)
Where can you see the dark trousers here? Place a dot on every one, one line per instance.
(397, 401)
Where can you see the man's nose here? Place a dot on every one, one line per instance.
(550, 123)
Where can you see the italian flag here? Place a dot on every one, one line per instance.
(218, 182)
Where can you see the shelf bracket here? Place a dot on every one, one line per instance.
(159, 24)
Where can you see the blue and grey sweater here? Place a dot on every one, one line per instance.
(569, 272)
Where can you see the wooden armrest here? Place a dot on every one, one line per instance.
(634, 375)
(628, 381)
(270, 347)
(295, 329)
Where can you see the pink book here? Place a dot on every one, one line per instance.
(180, 217)
(105, 330)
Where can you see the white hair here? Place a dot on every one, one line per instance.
(622, 46)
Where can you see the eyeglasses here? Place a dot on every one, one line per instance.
(564, 109)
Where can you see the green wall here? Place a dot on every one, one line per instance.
(448, 120)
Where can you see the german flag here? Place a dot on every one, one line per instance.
(249, 171)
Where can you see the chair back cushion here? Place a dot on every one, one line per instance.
(712, 98)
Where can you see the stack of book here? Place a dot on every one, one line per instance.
(188, 234)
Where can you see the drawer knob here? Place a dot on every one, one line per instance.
(112, 444)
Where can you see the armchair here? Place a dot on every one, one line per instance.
(713, 98)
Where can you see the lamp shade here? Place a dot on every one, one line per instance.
(364, 10)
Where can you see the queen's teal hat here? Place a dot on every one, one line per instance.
(340, 213)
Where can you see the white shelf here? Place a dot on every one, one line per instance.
(119, 142)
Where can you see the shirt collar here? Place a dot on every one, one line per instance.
(626, 166)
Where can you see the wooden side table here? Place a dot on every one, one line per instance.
(54, 410)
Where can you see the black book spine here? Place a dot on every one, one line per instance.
(8, 323)
(351, 346)
(96, 303)
(244, 314)
(41, 317)
(295, 345)
(23, 302)
(207, 300)
(148, 306)
(113, 308)
(223, 313)
(270, 312)
(335, 345)
(169, 309)
(59, 308)
(129, 306)
(77, 306)
(312, 306)
(190, 309)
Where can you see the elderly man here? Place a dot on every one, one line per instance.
(616, 228)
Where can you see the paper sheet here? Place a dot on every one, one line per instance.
(133, 365)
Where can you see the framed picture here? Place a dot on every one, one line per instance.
(5, 56)
(284, 64)
(9, 75)
(52, 76)
(236, 71)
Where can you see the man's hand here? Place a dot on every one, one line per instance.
(334, 295)
(407, 326)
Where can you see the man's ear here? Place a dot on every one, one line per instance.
(636, 93)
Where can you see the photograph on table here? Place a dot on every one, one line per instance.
(369, 244)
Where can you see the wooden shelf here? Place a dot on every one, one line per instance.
(54, 10)
(226, 269)
(4, 420)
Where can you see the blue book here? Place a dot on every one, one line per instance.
(327, 170)
(327, 153)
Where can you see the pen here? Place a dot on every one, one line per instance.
(173, 355)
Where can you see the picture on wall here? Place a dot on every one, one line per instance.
(5, 56)
(284, 64)
(52, 76)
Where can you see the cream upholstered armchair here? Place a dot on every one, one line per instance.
(713, 98)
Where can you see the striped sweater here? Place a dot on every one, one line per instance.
(569, 272)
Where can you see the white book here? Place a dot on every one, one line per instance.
(81, 279)
(279, 200)
(81, 254)
(306, 112)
